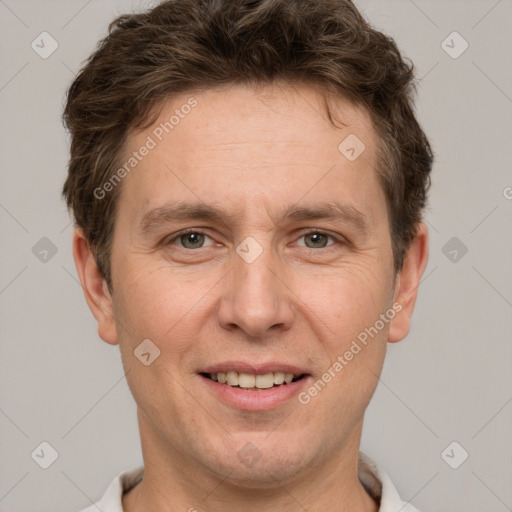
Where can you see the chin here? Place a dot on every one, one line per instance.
(253, 463)
(265, 474)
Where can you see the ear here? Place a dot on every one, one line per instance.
(94, 287)
(407, 284)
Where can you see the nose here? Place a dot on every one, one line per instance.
(256, 297)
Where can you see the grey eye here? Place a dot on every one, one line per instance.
(192, 240)
(317, 240)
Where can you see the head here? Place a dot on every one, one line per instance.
(281, 134)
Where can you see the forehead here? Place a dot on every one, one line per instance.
(235, 144)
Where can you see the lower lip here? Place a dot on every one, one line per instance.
(262, 400)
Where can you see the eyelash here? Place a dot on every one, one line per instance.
(177, 236)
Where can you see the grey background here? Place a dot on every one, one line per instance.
(449, 381)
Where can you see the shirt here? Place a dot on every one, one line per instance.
(376, 482)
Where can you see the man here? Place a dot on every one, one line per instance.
(247, 180)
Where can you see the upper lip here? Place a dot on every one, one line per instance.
(252, 368)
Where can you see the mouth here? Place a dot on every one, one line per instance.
(253, 381)
(254, 387)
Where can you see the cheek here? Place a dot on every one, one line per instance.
(153, 303)
(156, 299)
(346, 301)
(354, 341)
(168, 307)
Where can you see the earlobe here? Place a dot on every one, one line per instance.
(408, 281)
(94, 287)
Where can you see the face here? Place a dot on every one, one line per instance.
(249, 247)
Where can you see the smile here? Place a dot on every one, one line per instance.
(254, 386)
(253, 382)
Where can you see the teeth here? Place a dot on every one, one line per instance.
(232, 378)
(265, 381)
(246, 380)
(278, 378)
(250, 381)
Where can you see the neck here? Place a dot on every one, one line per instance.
(173, 482)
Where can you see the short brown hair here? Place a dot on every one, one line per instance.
(182, 45)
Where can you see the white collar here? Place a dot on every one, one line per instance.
(376, 482)
(380, 487)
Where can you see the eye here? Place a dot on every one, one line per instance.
(195, 239)
(317, 239)
(190, 239)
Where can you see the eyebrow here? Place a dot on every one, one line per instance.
(162, 216)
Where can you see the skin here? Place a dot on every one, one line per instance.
(303, 301)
